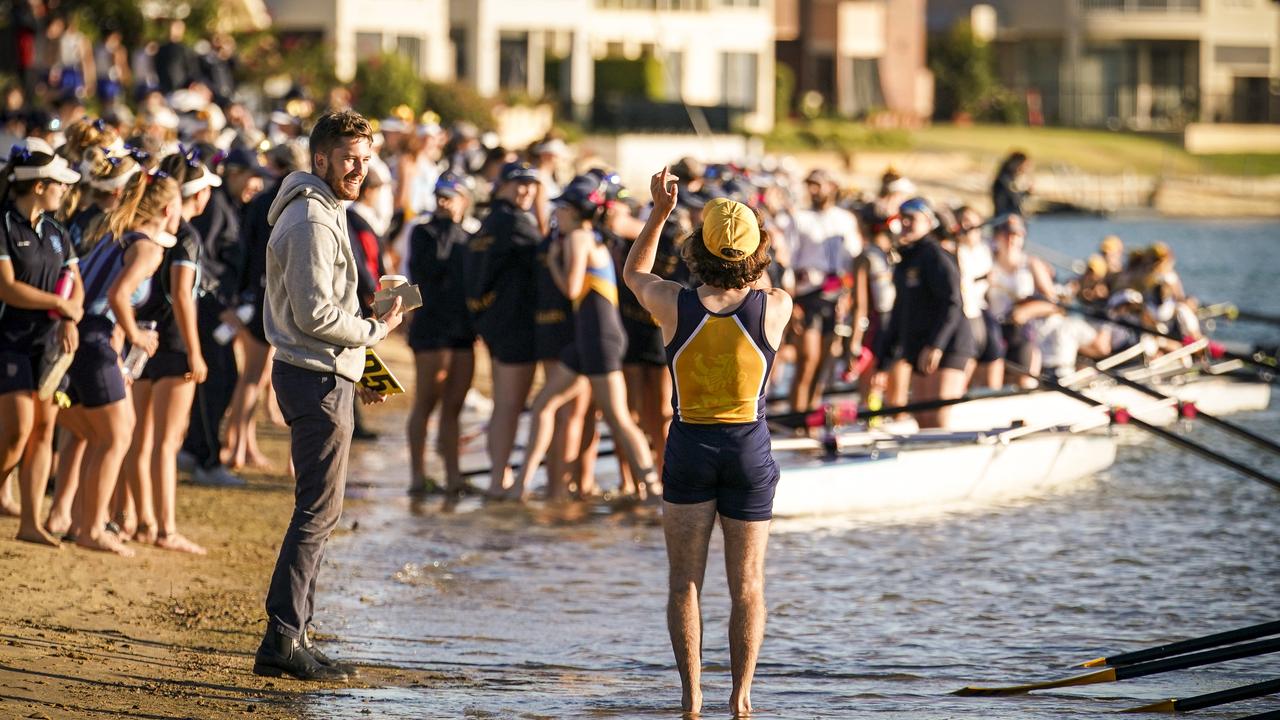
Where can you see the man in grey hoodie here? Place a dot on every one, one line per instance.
(313, 320)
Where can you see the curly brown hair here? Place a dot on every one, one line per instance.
(724, 274)
(335, 125)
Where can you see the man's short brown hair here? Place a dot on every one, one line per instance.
(336, 125)
(725, 274)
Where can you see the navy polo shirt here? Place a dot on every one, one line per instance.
(38, 255)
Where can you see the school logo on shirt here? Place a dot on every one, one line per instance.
(913, 277)
(55, 240)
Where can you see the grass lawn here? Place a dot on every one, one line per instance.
(1093, 151)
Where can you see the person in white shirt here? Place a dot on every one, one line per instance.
(975, 258)
(826, 242)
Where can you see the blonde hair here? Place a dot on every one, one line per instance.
(102, 167)
(145, 198)
(87, 140)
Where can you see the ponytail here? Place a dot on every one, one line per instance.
(144, 199)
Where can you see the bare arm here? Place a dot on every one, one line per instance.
(861, 300)
(21, 295)
(140, 262)
(183, 279)
(542, 209)
(569, 264)
(656, 295)
(1043, 277)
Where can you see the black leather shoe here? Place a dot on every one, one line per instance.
(280, 655)
(315, 652)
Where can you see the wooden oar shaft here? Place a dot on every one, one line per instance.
(1224, 425)
(1222, 697)
(1172, 437)
(1203, 642)
(1204, 657)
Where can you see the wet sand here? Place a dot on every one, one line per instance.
(162, 635)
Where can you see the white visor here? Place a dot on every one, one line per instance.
(57, 171)
(208, 179)
(115, 183)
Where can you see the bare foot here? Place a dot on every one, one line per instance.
(741, 705)
(691, 704)
(38, 536)
(178, 543)
(104, 541)
(147, 534)
(57, 526)
(516, 493)
(258, 461)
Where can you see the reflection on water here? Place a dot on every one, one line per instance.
(534, 614)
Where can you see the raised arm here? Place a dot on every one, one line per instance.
(656, 295)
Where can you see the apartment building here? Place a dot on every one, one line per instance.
(357, 29)
(1141, 64)
(860, 56)
(713, 53)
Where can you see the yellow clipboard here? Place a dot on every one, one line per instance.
(378, 377)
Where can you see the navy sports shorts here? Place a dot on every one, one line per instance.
(731, 464)
(166, 364)
(95, 374)
(20, 371)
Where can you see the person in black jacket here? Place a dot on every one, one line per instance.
(1010, 191)
(440, 333)
(501, 273)
(927, 329)
(254, 380)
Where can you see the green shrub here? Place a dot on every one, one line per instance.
(455, 102)
(385, 81)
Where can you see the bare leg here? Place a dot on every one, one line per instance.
(511, 383)
(136, 471)
(70, 453)
(34, 474)
(429, 368)
(462, 365)
(744, 550)
(899, 384)
(994, 375)
(8, 506)
(610, 393)
(17, 412)
(241, 436)
(923, 389)
(951, 385)
(172, 413)
(265, 393)
(657, 412)
(110, 430)
(562, 386)
(583, 473)
(687, 529)
(808, 360)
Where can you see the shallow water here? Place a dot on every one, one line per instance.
(534, 617)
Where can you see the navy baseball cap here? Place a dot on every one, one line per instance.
(450, 185)
(243, 157)
(518, 172)
(585, 193)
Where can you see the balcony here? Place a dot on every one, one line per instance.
(1143, 7)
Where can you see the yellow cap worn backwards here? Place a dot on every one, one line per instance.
(729, 230)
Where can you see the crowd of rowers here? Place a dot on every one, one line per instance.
(121, 244)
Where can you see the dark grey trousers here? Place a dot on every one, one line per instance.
(318, 408)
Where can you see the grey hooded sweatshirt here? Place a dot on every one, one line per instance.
(312, 311)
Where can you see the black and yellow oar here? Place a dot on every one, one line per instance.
(1252, 632)
(1222, 697)
(1269, 715)
(1191, 412)
(1231, 312)
(1128, 672)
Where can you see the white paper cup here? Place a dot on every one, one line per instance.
(387, 282)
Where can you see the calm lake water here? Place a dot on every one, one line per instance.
(531, 617)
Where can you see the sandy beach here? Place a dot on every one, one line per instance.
(161, 635)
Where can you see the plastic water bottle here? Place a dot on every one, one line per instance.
(137, 358)
(63, 290)
(226, 332)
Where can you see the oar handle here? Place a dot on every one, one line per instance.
(1205, 657)
(1191, 645)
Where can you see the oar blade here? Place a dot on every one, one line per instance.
(1101, 676)
(1164, 706)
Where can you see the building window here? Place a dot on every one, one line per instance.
(739, 73)
(672, 75)
(513, 61)
(664, 4)
(410, 48)
(740, 3)
(461, 69)
(861, 93)
(368, 44)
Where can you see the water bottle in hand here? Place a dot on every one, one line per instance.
(137, 358)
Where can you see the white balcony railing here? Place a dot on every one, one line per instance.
(1171, 7)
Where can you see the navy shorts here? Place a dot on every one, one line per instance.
(166, 364)
(95, 374)
(819, 311)
(514, 347)
(20, 371)
(731, 464)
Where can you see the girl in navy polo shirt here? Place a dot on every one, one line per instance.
(35, 258)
